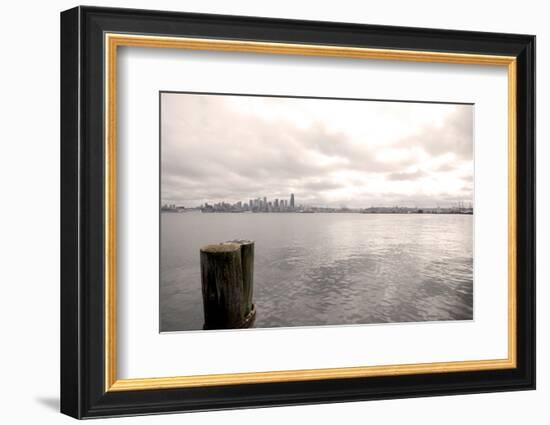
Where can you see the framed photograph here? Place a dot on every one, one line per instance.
(261, 212)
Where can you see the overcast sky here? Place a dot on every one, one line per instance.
(327, 152)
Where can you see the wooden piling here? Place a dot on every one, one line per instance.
(247, 261)
(227, 271)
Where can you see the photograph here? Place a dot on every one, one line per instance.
(285, 211)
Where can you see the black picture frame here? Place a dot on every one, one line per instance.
(83, 392)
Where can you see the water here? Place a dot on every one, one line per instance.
(326, 269)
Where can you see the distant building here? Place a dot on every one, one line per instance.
(292, 200)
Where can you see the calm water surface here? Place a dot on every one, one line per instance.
(326, 269)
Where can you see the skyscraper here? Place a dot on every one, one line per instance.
(292, 200)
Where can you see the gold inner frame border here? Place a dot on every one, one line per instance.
(111, 43)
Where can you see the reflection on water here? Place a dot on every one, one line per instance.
(326, 269)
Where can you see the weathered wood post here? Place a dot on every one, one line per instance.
(247, 261)
(227, 272)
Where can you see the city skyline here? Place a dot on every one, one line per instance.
(333, 153)
(265, 204)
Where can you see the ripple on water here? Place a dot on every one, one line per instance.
(327, 269)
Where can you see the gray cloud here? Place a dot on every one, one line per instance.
(211, 150)
(406, 176)
(454, 136)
